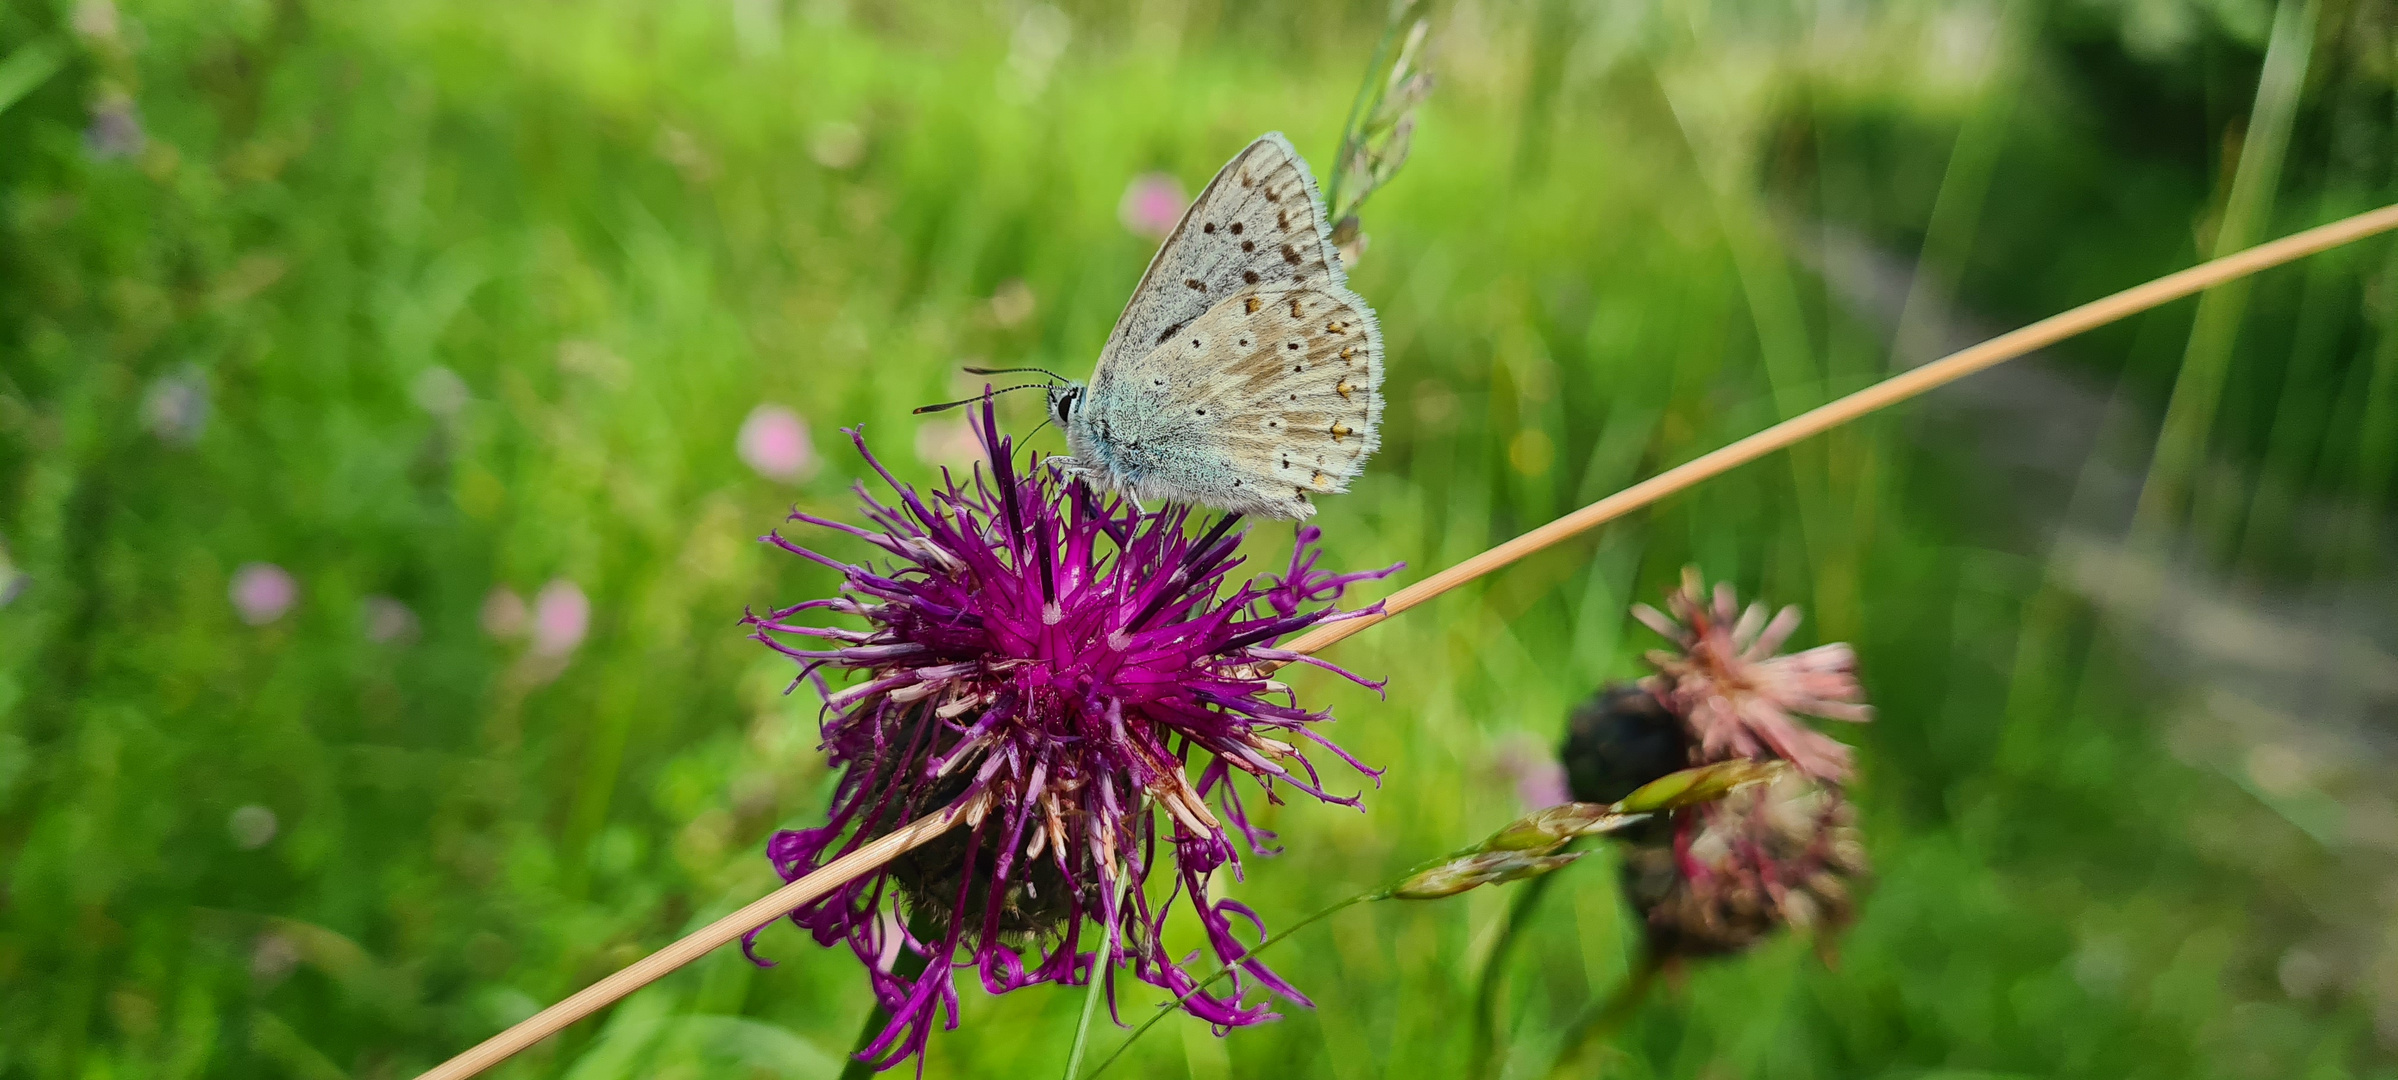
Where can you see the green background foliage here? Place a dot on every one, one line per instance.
(1631, 232)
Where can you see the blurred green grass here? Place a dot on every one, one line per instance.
(619, 227)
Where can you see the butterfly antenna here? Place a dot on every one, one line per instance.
(1016, 371)
(948, 405)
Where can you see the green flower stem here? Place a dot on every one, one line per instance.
(1605, 1018)
(1370, 88)
(1492, 986)
(909, 965)
(1090, 1008)
(1090, 998)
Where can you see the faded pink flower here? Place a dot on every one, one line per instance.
(1152, 205)
(504, 614)
(774, 441)
(175, 407)
(262, 592)
(273, 957)
(12, 581)
(948, 442)
(1738, 697)
(1538, 776)
(116, 128)
(388, 620)
(1786, 853)
(561, 616)
(252, 826)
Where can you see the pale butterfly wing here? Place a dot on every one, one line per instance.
(1271, 395)
(1258, 224)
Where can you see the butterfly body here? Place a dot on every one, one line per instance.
(1243, 374)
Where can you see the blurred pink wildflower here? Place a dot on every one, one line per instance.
(1152, 205)
(262, 592)
(388, 620)
(774, 441)
(561, 616)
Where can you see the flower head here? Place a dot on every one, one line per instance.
(1081, 680)
(774, 442)
(175, 407)
(561, 616)
(1720, 877)
(1152, 205)
(1618, 740)
(1739, 698)
(1785, 853)
(116, 128)
(262, 592)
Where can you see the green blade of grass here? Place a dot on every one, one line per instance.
(2206, 362)
(27, 68)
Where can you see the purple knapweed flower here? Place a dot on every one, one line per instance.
(1077, 678)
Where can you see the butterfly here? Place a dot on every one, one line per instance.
(1243, 374)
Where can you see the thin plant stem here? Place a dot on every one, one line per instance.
(1881, 395)
(1226, 970)
(2206, 360)
(1090, 999)
(1370, 88)
(908, 966)
(1082, 1029)
(1948, 234)
(1898, 388)
(1776, 315)
(1488, 993)
(858, 1068)
(2377, 431)
(2309, 377)
(1605, 1018)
